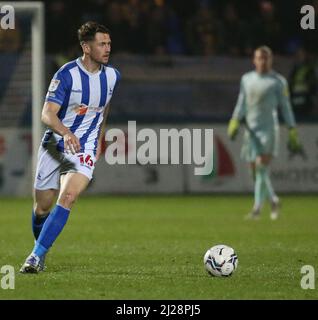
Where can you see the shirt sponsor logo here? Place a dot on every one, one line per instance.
(83, 109)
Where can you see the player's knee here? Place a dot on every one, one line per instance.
(43, 201)
(41, 208)
(67, 199)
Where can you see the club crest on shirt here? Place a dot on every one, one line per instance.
(54, 85)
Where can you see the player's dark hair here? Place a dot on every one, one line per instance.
(89, 29)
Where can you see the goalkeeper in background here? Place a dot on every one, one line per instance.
(262, 92)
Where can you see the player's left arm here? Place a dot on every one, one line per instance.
(102, 132)
(294, 144)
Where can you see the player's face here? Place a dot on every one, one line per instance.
(100, 48)
(262, 61)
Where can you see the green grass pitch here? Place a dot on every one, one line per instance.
(152, 247)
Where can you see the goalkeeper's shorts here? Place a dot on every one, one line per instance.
(259, 143)
(52, 164)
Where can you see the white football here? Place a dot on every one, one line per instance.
(220, 261)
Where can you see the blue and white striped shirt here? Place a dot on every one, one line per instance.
(83, 97)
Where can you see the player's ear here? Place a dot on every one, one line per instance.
(85, 47)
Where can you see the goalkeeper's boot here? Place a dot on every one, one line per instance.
(275, 206)
(31, 264)
(253, 215)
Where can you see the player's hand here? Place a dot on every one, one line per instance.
(71, 143)
(233, 128)
(294, 144)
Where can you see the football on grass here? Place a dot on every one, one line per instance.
(220, 261)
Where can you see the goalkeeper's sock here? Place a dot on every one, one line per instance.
(37, 223)
(260, 189)
(52, 227)
(270, 190)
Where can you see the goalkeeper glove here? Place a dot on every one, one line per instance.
(294, 145)
(233, 127)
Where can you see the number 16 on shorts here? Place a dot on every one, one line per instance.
(86, 160)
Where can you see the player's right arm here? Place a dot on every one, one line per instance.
(238, 113)
(58, 91)
(50, 118)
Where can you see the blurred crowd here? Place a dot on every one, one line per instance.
(195, 27)
(176, 27)
(191, 27)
